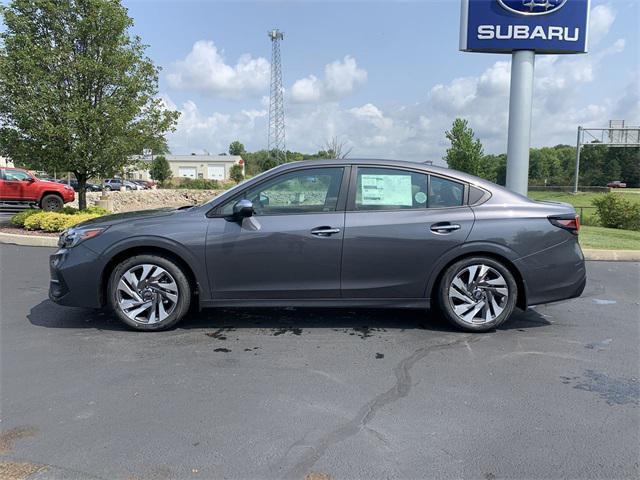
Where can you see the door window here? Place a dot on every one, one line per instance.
(312, 190)
(390, 189)
(16, 175)
(445, 193)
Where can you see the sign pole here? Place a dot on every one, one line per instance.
(578, 145)
(520, 106)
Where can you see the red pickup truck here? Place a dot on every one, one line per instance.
(20, 186)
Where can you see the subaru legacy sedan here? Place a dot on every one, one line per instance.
(339, 233)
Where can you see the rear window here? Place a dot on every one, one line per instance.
(445, 193)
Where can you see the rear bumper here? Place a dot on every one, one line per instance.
(75, 278)
(554, 274)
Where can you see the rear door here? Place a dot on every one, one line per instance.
(398, 223)
(17, 185)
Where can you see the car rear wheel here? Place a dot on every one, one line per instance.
(149, 292)
(477, 294)
(51, 202)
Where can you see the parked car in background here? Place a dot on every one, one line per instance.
(368, 233)
(617, 184)
(89, 187)
(118, 183)
(145, 184)
(18, 186)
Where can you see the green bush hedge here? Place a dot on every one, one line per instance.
(55, 221)
(615, 211)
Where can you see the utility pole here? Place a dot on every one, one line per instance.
(276, 140)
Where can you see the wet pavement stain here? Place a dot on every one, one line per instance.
(220, 333)
(223, 350)
(9, 437)
(379, 355)
(615, 391)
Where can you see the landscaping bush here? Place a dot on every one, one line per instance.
(196, 184)
(19, 218)
(615, 211)
(34, 222)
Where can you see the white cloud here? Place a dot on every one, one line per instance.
(205, 71)
(601, 18)
(341, 77)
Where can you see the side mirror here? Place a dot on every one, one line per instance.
(242, 209)
(28, 179)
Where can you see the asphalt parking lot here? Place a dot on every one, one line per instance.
(351, 394)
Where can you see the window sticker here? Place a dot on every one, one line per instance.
(420, 197)
(380, 189)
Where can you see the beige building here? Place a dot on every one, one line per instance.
(210, 167)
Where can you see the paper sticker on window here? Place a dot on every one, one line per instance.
(393, 190)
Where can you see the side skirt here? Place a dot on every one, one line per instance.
(321, 303)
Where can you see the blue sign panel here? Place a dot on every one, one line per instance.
(545, 26)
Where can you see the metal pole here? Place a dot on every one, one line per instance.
(520, 103)
(578, 145)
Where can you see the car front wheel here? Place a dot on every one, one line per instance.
(149, 292)
(51, 202)
(477, 294)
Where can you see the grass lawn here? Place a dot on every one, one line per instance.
(609, 238)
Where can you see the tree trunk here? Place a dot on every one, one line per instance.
(82, 190)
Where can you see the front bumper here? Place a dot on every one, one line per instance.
(75, 277)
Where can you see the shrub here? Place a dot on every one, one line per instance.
(195, 184)
(615, 211)
(54, 221)
(33, 222)
(19, 218)
(95, 211)
(57, 222)
(236, 173)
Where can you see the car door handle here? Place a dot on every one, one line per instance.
(444, 227)
(324, 231)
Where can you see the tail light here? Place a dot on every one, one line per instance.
(571, 223)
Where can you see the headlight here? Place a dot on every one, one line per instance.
(73, 236)
(68, 187)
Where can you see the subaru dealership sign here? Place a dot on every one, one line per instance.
(542, 26)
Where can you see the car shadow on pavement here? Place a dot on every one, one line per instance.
(360, 320)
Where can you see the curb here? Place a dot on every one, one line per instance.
(612, 255)
(28, 240)
(589, 254)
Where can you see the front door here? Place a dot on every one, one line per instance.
(292, 246)
(398, 223)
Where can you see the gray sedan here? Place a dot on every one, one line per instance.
(349, 233)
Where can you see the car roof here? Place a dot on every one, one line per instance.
(465, 177)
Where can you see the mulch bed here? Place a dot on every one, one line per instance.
(20, 231)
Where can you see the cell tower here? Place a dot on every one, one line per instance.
(276, 141)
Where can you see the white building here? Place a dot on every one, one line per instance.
(210, 167)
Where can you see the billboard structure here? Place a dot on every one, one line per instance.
(618, 134)
(523, 28)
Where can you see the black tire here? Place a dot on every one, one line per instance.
(51, 202)
(183, 288)
(507, 303)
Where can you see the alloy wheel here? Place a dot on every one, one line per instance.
(478, 294)
(147, 294)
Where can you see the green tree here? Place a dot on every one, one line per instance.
(77, 92)
(236, 173)
(465, 153)
(236, 148)
(160, 169)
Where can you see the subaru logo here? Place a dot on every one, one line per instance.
(532, 7)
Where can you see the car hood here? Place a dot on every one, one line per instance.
(116, 218)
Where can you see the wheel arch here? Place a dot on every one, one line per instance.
(128, 252)
(502, 257)
(50, 192)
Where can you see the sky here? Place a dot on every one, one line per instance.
(386, 78)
